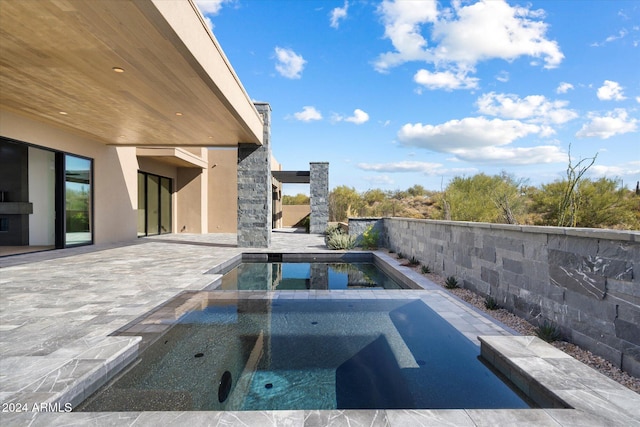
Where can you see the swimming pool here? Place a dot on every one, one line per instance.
(306, 275)
(261, 353)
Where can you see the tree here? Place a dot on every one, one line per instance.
(344, 202)
(298, 199)
(482, 198)
(569, 203)
(416, 190)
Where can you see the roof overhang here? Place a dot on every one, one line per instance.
(173, 156)
(292, 177)
(58, 59)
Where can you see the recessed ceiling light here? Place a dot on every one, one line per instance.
(178, 113)
(118, 69)
(64, 113)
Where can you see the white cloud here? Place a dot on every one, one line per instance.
(468, 133)
(210, 7)
(626, 169)
(514, 155)
(465, 34)
(402, 21)
(308, 114)
(615, 122)
(494, 29)
(401, 167)
(535, 108)
(610, 91)
(564, 87)
(445, 80)
(290, 64)
(379, 180)
(503, 76)
(359, 117)
(638, 99)
(621, 34)
(338, 14)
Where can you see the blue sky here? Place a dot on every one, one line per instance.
(397, 93)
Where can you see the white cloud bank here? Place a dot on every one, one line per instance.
(289, 64)
(461, 37)
(468, 133)
(397, 167)
(535, 108)
(610, 91)
(308, 114)
(338, 14)
(614, 122)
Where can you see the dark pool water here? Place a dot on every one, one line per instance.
(286, 354)
(305, 275)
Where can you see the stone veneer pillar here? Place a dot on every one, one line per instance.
(254, 188)
(319, 183)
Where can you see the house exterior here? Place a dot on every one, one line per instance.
(124, 118)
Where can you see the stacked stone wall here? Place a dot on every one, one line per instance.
(586, 281)
(319, 197)
(254, 188)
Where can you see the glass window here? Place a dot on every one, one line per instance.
(153, 205)
(165, 205)
(142, 205)
(77, 187)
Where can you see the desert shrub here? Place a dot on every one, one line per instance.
(451, 282)
(340, 241)
(548, 331)
(426, 269)
(370, 238)
(490, 303)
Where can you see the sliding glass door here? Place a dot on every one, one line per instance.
(77, 195)
(154, 204)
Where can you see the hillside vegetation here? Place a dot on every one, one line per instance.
(570, 202)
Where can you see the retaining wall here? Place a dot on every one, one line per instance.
(587, 281)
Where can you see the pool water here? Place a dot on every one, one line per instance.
(306, 275)
(286, 354)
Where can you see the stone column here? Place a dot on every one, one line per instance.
(254, 188)
(319, 183)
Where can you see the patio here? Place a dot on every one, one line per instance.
(59, 307)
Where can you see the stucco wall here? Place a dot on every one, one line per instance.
(292, 214)
(587, 281)
(115, 173)
(223, 190)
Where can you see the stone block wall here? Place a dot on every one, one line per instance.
(587, 281)
(357, 227)
(319, 197)
(254, 188)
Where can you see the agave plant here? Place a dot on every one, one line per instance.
(548, 331)
(451, 282)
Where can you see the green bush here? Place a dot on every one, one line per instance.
(370, 238)
(414, 261)
(426, 269)
(451, 282)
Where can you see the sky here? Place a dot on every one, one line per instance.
(398, 93)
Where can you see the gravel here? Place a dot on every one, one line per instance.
(525, 328)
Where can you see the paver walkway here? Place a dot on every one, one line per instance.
(57, 309)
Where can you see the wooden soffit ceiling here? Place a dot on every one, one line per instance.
(57, 62)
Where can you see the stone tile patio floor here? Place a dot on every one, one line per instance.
(57, 309)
